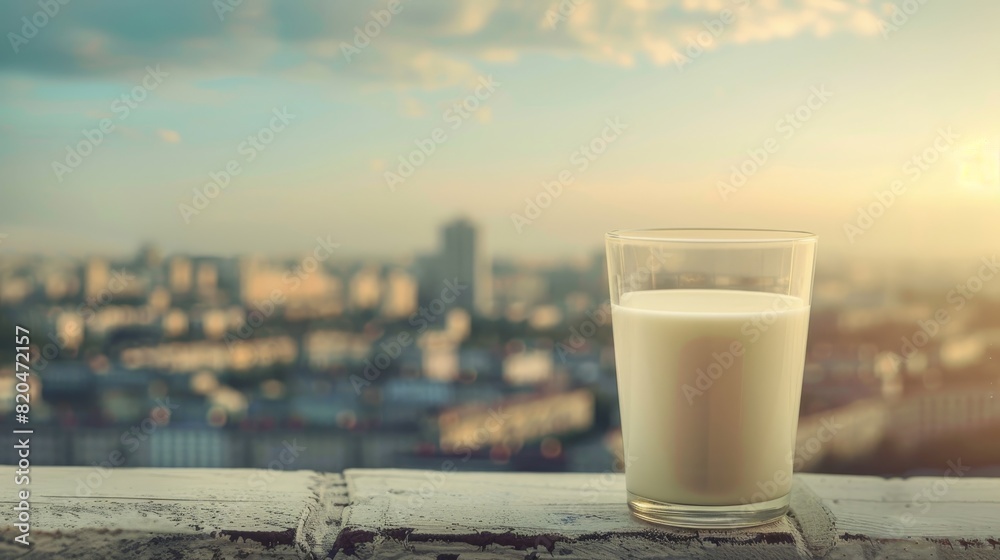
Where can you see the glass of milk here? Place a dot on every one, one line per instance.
(710, 334)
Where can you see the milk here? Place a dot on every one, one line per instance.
(709, 384)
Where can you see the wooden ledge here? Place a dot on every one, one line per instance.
(79, 512)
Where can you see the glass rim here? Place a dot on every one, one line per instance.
(711, 235)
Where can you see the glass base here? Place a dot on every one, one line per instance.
(708, 517)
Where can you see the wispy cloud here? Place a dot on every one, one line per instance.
(427, 45)
(169, 136)
(412, 108)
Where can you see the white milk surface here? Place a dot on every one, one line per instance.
(709, 383)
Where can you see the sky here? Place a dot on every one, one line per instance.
(256, 126)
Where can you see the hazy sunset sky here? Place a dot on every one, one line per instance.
(222, 73)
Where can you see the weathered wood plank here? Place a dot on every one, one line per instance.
(147, 513)
(920, 517)
(396, 513)
(949, 508)
(424, 513)
(189, 513)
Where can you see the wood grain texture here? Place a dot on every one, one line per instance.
(160, 513)
(424, 513)
(405, 513)
(443, 514)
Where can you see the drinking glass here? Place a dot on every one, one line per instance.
(710, 333)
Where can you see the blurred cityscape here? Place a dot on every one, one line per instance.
(326, 362)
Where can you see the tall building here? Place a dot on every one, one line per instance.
(464, 257)
(365, 288)
(207, 279)
(149, 257)
(431, 278)
(180, 275)
(400, 294)
(96, 277)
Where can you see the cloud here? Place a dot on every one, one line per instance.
(169, 136)
(412, 108)
(425, 45)
(484, 115)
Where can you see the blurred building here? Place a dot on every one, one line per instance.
(149, 257)
(400, 295)
(359, 357)
(180, 275)
(462, 257)
(261, 282)
(516, 421)
(207, 279)
(365, 289)
(528, 368)
(96, 277)
(440, 355)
